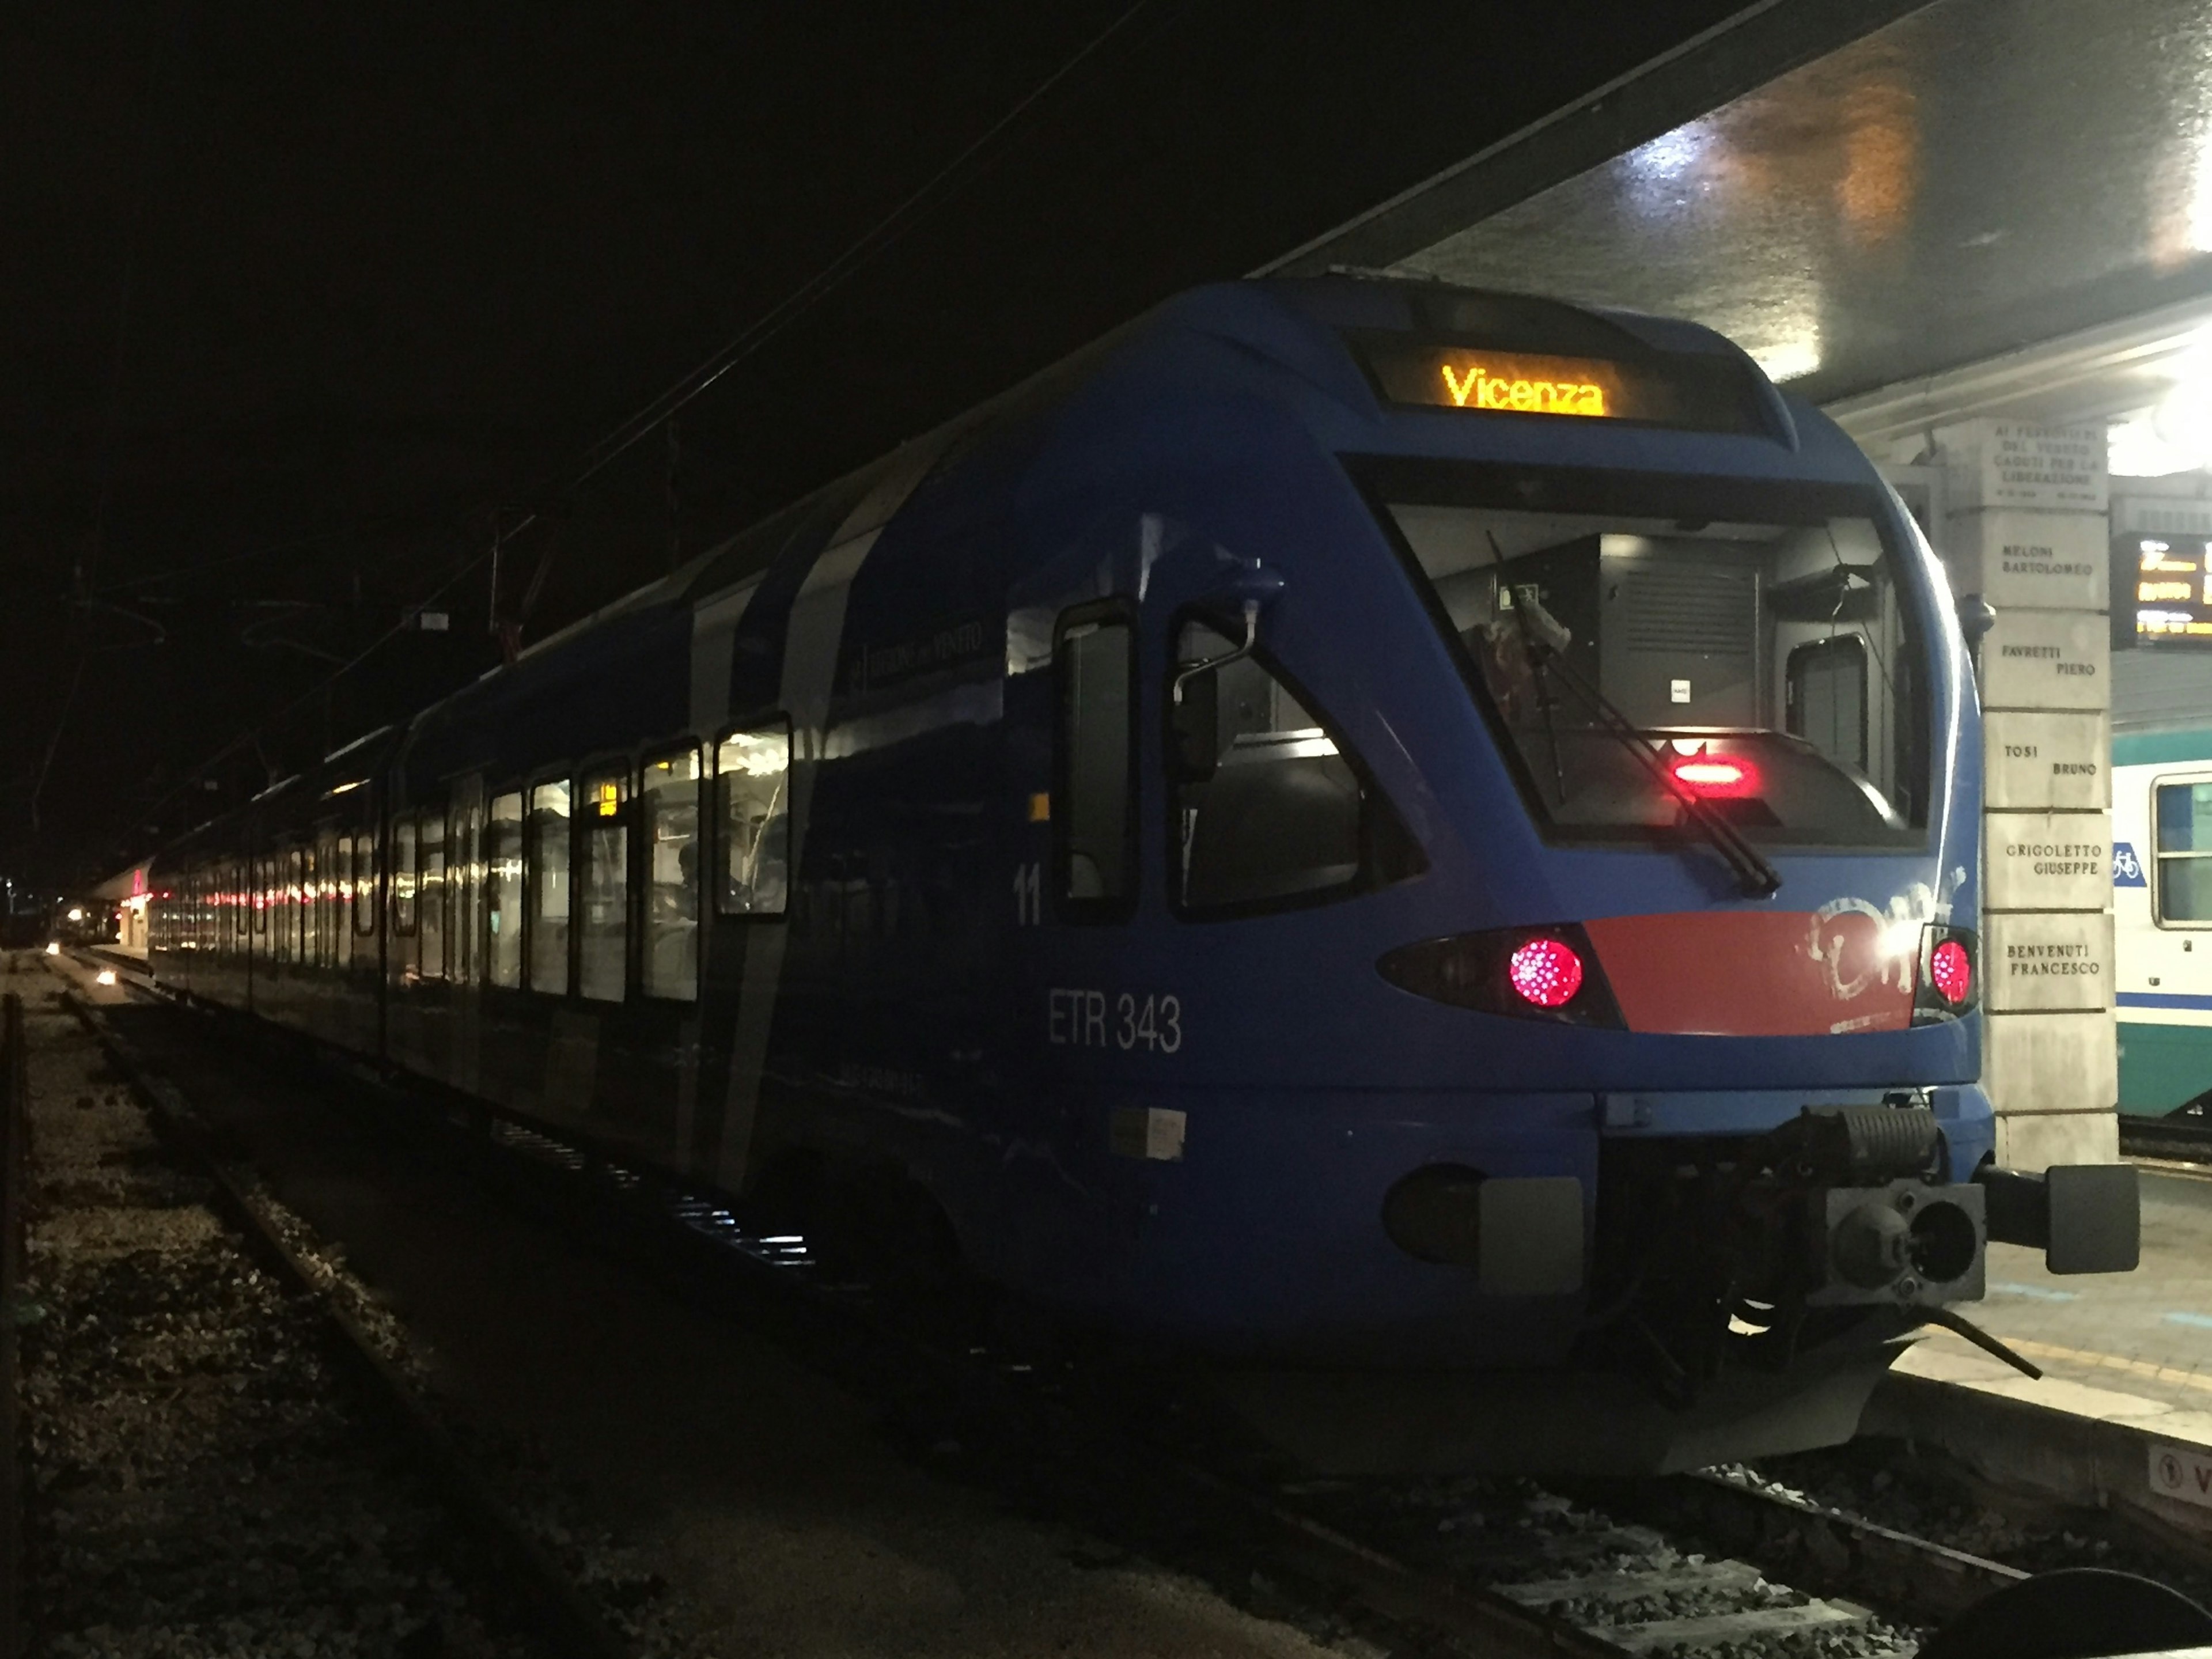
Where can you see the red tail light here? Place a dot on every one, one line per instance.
(1545, 972)
(1530, 973)
(1953, 971)
(1715, 777)
(1947, 987)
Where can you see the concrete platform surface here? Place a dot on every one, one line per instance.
(2121, 1347)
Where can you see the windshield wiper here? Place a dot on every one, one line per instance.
(1546, 638)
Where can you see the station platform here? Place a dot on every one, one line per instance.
(2122, 1418)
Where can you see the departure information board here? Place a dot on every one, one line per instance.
(2163, 581)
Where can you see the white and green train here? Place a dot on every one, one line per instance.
(2162, 916)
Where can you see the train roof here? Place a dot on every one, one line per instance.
(1298, 324)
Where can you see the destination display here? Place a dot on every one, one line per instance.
(2162, 583)
(1688, 392)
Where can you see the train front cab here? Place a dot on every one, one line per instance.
(1460, 1061)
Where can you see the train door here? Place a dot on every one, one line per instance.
(1073, 786)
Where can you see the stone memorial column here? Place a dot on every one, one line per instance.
(2027, 530)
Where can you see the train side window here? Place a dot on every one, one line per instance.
(670, 828)
(1094, 808)
(502, 891)
(240, 903)
(603, 888)
(264, 894)
(546, 881)
(403, 875)
(364, 882)
(751, 769)
(296, 908)
(2183, 810)
(465, 881)
(430, 895)
(326, 889)
(342, 905)
(1265, 810)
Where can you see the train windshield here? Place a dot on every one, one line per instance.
(1754, 635)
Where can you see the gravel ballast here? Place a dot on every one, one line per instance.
(199, 1481)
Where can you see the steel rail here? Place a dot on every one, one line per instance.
(541, 1591)
(1847, 1566)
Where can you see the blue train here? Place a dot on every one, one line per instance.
(1416, 844)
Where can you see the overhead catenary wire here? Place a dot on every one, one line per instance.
(856, 257)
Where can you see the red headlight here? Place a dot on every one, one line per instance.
(1546, 972)
(1953, 970)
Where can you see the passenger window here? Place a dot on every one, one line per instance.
(264, 895)
(239, 906)
(342, 903)
(431, 883)
(364, 883)
(547, 879)
(2184, 852)
(465, 879)
(750, 771)
(403, 876)
(295, 891)
(326, 889)
(1094, 814)
(1264, 808)
(602, 948)
(502, 886)
(670, 826)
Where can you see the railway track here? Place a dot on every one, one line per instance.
(2178, 1140)
(219, 1448)
(1693, 1564)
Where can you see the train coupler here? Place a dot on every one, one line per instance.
(2085, 1218)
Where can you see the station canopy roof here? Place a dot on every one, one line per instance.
(1911, 214)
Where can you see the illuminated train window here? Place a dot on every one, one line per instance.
(603, 888)
(1756, 633)
(431, 897)
(546, 881)
(403, 876)
(503, 890)
(669, 825)
(752, 770)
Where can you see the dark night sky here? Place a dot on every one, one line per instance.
(293, 297)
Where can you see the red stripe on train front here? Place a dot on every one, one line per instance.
(1758, 973)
